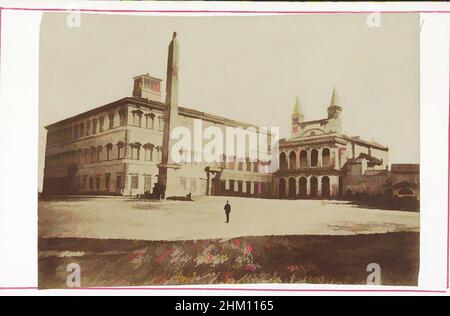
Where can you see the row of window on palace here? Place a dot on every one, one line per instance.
(104, 183)
(109, 152)
(138, 151)
(97, 125)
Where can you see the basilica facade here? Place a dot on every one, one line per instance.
(312, 159)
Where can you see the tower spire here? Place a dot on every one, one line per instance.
(297, 113)
(335, 101)
(335, 109)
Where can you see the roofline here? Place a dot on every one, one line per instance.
(158, 105)
(194, 113)
(145, 75)
(92, 111)
(317, 139)
(365, 142)
(329, 137)
(312, 122)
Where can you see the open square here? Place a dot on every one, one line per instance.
(125, 241)
(204, 218)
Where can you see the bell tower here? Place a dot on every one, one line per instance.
(334, 113)
(335, 109)
(297, 118)
(147, 87)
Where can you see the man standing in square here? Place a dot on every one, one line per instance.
(227, 209)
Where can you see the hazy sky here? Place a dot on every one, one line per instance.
(245, 68)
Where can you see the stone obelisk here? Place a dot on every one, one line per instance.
(168, 178)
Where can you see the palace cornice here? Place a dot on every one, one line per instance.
(153, 105)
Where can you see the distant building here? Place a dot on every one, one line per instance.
(312, 159)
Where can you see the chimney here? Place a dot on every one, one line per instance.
(147, 87)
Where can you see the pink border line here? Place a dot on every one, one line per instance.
(251, 12)
(229, 289)
(1, 9)
(218, 11)
(448, 186)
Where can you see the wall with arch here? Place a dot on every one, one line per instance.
(310, 157)
(306, 187)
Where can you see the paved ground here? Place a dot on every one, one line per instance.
(128, 218)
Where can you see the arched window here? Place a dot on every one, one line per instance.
(137, 117)
(109, 151)
(292, 160)
(99, 153)
(303, 159)
(314, 157)
(150, 120)
(314, 183)
(135, 150)
(283, 161)
(120, 150)
(325, 186)
(101, 121)
(88, 128)
(94, 126)
(302, 183)
(123, 117)
(148, 152)
(326, 160)
(93, 154)
(111, 120)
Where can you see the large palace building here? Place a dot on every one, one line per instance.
(123, 148)
(119, 148)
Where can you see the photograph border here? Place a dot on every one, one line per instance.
(255, 12)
